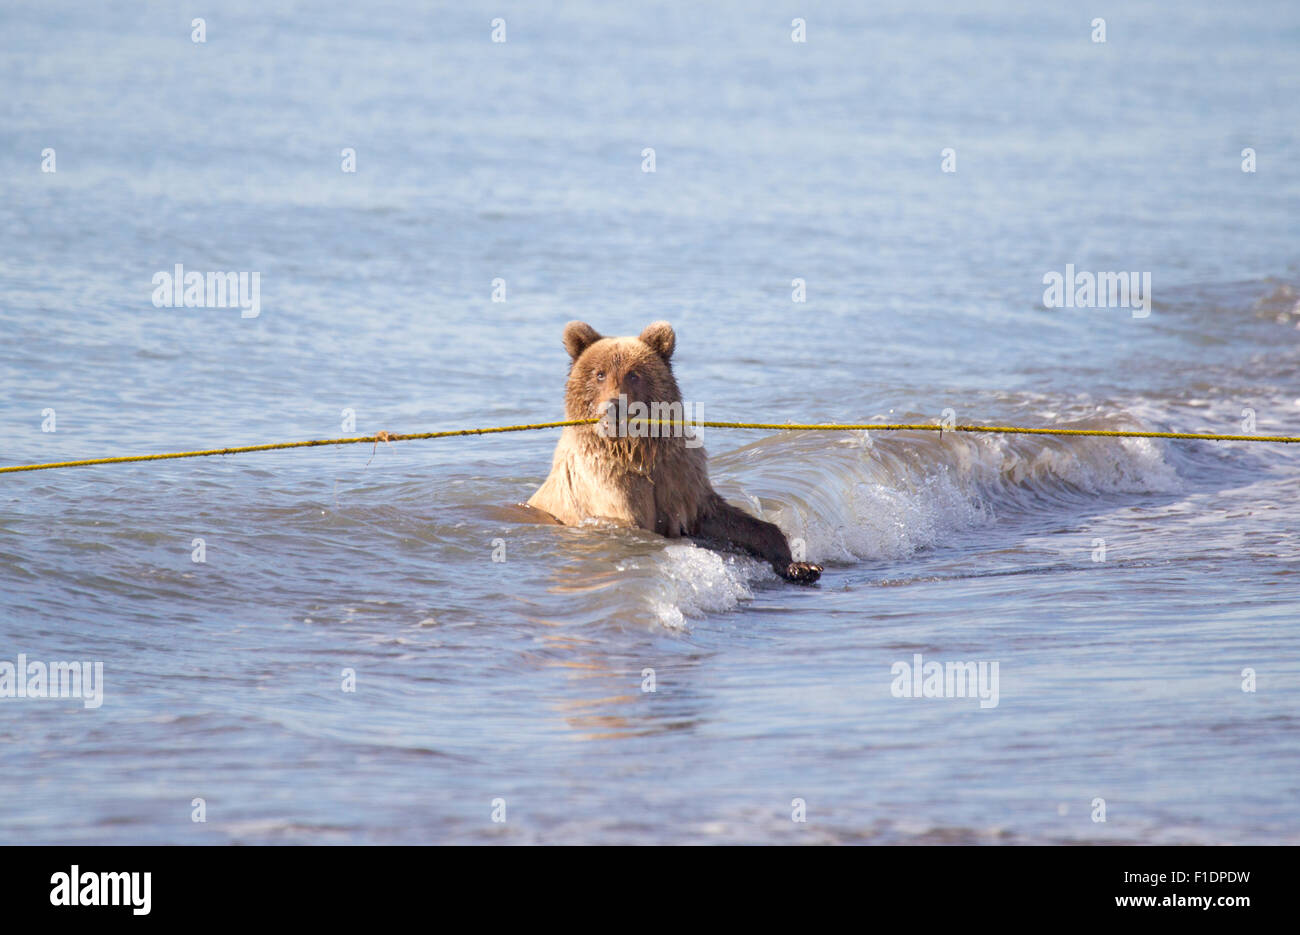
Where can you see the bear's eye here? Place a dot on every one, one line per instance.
(633, 376)
(600, 376)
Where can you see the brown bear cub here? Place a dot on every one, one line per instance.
(653, 477)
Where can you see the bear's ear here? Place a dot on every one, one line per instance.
(661, 339)
(578, 336)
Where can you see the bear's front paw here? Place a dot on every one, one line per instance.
(801, 572)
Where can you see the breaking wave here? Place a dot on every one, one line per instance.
(884, 496)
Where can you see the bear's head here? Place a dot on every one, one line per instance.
(603, 370)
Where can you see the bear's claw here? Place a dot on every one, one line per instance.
(801, 572)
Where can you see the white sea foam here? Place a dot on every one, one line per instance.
(887, 496)
(694, 581)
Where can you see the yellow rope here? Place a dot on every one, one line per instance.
(997, 429)
(766, 426)
(243, 449)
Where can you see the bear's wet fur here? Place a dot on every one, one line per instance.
(653, 481)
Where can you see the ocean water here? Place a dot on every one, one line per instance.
(1121, 586)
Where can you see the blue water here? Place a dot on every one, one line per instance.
(522, 679)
